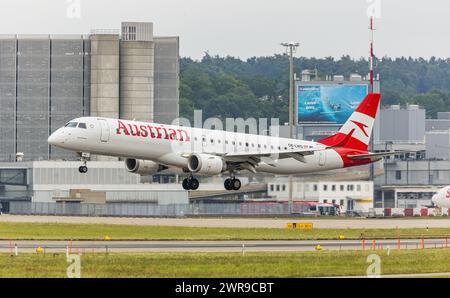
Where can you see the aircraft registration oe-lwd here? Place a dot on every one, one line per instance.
(150, 148)
(442, 198)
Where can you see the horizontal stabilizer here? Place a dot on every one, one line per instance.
(377, 156)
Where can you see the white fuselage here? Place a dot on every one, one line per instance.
(171, 145)
(442, 198)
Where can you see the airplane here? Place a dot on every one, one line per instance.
(150, 148)
(442, 198)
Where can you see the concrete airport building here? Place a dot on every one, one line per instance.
(46, 80)
(60, 182)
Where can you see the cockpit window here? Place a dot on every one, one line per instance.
(82, 125)
(72, 124)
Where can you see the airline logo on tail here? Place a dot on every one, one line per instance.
(361, 126)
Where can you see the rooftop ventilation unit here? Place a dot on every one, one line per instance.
(338, 78)
(355, 77)
(137, 31)
(413, 107)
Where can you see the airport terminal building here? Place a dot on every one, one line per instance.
(46, 80)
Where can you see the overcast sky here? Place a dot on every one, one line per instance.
(247, 28)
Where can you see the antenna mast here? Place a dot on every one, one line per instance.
(372, 56)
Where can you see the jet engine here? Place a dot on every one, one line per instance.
(143, 167)
(205, 164)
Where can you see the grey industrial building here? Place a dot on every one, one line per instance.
(437, 137)
(46, 80)
(410, 180)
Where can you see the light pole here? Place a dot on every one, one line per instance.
(291, 48)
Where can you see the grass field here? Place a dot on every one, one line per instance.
(228, 265)
(44, 231)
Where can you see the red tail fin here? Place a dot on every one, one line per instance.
(356, 132)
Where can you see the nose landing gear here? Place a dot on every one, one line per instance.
(84, 157)
(83, 169)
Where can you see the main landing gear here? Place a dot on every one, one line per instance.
(84, 157)
(191, 183)
(232, 184)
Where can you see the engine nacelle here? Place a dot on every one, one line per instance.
(205, 164)
(143, 167)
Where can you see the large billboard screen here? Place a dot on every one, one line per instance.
(328, 103)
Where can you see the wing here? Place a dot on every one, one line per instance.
(377, 156)
(249, 161)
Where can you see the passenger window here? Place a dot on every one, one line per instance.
(82, 125)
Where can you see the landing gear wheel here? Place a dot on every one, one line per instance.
(236, 183)
(84, 158)
(191, 184)
(228, 184)
(186, 184)
(83, 169)
(232, 184)
(194, 184)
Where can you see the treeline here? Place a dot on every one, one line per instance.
(258, 87)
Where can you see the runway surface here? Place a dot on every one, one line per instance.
(401, 223)
(213, 246)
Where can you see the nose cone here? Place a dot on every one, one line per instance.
(56, 139)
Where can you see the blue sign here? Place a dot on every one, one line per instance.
(330, 103)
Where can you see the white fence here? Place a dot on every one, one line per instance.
(408, 212)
